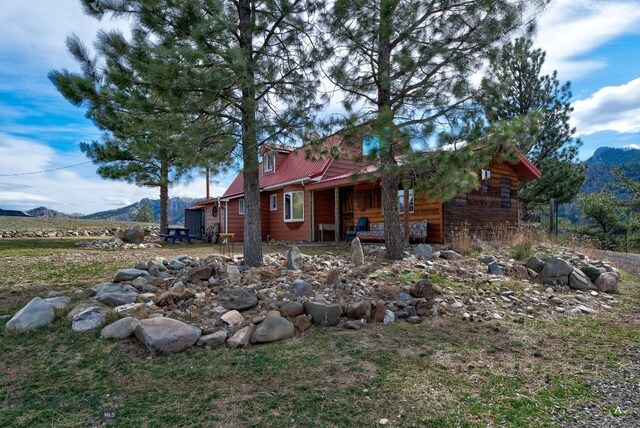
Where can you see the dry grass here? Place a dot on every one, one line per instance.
(55, 224)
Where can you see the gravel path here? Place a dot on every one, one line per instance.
(625, 261)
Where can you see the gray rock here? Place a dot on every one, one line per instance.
(233, 318)
(239, 299)
(56, 294)
(59, 302)
(353, 325)
(555, 271)
(166, 335)
(586, 310)
(294, 258)
(36, 313)
(139, 282)
(141, 266)
(579, 281)
(487, 260)
(424, 251)
(135, 235)
(201, 273)
(608, 282)
(116, 294)
(403, 297)
(128, 274)
(323, 313)
(450, 255)
(120, 329)
(494, 268)
(217, 338)
(301, 287)
(154, 271)
(414, 319)
(357, 255)
(535, 264)
(423, 289)
(272, 329)
(233, 274)
(389, 318)
(89, 318)
(241, 337)
(176, 264)
(591, 271)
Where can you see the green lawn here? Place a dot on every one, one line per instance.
(442, 373)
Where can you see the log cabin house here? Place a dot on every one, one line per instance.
(305, 199)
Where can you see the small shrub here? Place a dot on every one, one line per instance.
(522, 250)
(461, 240)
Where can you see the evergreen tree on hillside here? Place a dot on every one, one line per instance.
(144, 214)
(405, 67)
(515, 88)
(248, 66)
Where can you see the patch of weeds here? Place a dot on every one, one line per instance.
(522, 250)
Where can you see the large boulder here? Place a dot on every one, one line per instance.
(423, 251)
(423, 289)
(535, 264)
(233, 318)
(166, 335)
(241, 338)
(272, 329)
(217, 338)
(120, 329)
(239, 299)
(128, 274)
(357, 255)
(201, 273)
(301, 287)
(291, 309)
(89, 318)
(579, 281)
(556, 271)
(135, 235)
(294, 258)
(450, 255)
(323, 313)
(117, 294)
(608, 282)
(360, 310)
(36, 313)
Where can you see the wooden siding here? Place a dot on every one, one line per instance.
(265, 225)
(324, 207)
(494, 203)
(423, 210)
(235, 221)
(289, 231)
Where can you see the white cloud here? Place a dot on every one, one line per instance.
(23, 197)
(569, 29)
(612, 108)
(634, 146)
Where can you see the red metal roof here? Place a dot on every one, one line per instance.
(295, 167)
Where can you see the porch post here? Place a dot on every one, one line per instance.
(336, 219)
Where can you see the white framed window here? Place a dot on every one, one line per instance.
(273, 202)
(294, 206)
(241, 206)
(269, 162)
(486, 174)
(401, 201)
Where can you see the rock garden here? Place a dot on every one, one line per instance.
(174, 303)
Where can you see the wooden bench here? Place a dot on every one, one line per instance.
(417, 230)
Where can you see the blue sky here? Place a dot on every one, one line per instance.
(594, 44)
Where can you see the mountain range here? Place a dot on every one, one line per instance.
(128, 213)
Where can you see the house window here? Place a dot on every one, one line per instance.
(273, 202)
(294, 206)
(401, 201)
(486, 174)
(269, 162)
(241, 206)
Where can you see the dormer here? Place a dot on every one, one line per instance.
(269, 162)
(272, 157)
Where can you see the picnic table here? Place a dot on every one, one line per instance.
(176, 233)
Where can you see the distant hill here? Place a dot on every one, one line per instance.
(12, 213)
(46, 212)
(128, 213)
(604, 159)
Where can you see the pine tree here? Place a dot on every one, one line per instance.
(251, 64)
(515, 88)
(144, 214)
(404, 66)
(145, 142)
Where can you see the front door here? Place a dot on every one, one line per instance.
(347, 212)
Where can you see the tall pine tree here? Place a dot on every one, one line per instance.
(515, 88)
(252, 64)
(405, 66)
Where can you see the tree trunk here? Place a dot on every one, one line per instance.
(553, 227)
(394, 241)
(252, 245)
(405, 202)
(164, 195)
